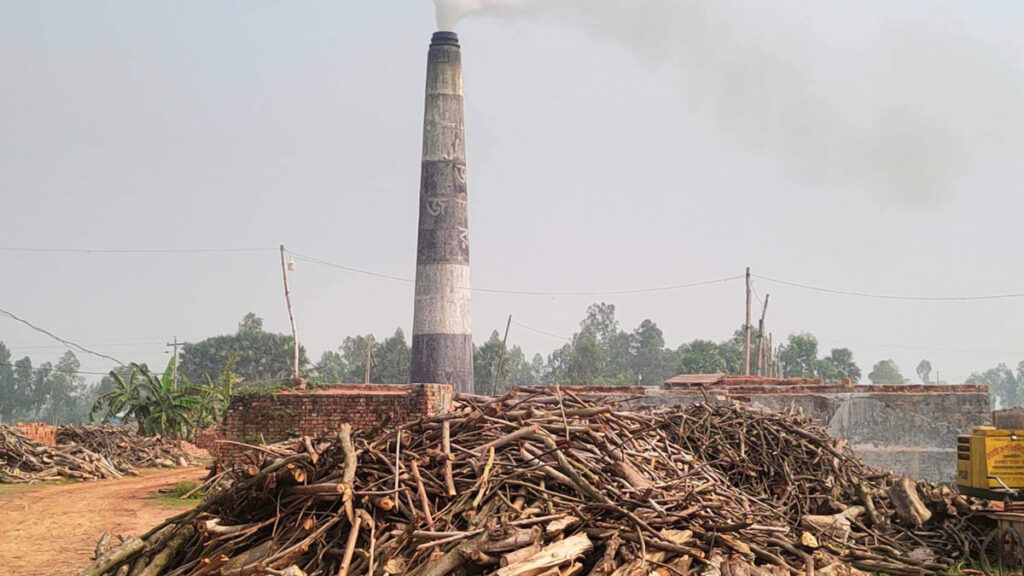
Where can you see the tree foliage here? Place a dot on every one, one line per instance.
(800, 356)
(259, 356)
(600, 353)
(886, 372)
(924, 371)
(389, 361)
(1003, 384)
(160, 405)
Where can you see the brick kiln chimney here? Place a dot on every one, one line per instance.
(442, 335)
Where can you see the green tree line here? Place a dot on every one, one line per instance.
(599, 353)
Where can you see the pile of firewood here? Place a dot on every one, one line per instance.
(125, 448)
(540, 482)
(24, 460)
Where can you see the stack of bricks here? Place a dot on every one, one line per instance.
(207, 438)
(39, 432)
(271, 417)
(1009, 419)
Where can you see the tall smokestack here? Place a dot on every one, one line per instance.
(442, 335)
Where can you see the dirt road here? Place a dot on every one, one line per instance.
(52, 530)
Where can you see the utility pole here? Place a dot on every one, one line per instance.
(746, 328)
(501, 359)
(369, 360)
(285, 266)
(760, 338)
(174, 370)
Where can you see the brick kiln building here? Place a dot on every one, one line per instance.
(908, 429)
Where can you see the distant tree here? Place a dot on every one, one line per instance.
(733, 351)
(650, 361)
(585, 362)
(250, 324)
(8, 385)
(558, 365)
(392, 359)
(924, 371)
(614, 344)
(65, 385)
(600, 323)
(837, 365)
(41, 386)
(353, 356)
(23, 378)
(538, 369)
(389, 360)
(800, 356)
(1002, 383)
(330, 369)
(261, 357)
(886, 372)
(517, 372)
(701, 357)
(485, 364)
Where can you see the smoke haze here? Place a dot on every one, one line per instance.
(892, 101)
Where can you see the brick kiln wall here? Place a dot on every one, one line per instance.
(252, 419)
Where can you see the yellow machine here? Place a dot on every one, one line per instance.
(990, 463)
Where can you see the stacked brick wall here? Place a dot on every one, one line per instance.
(254, 419)
(208, 437)
(1009, 419)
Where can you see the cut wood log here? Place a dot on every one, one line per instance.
(908, 504)
(551, 556)
(119, 555)
(836, 526)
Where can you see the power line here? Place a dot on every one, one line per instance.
(52, 369)
(122, 345)
(132, 250)
(925, 348)
(892, 296)
(754, 290)
(523, 292)
(313, 260)
(539, 331)
(58, 338)
(609, 292)
(97, 341)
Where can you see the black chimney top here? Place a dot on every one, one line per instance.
(444, 39)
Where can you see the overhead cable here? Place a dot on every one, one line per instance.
(323, 262)
(68, 343)
(892, 296)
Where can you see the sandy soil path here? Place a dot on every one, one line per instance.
(52, 530)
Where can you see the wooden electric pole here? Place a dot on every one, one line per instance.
(174, 371)
(746, 328)
(761, 362)
(501, 359)
(296, 379)
(369, 361)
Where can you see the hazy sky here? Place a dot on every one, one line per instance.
(871, 147)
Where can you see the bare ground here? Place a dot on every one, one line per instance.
(51, 530)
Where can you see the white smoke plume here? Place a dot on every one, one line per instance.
(905, 109)
(450, 12)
